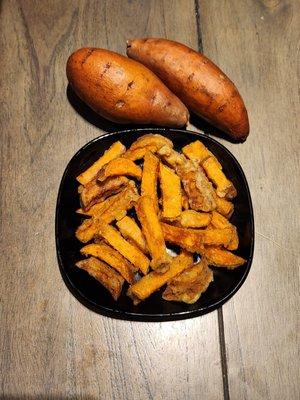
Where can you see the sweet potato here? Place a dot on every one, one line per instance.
(132, 232)
(170, 187)
(149, 178)
(123, 90)
(196, 80)
(222, 258)
(224, 187)
(118, 167)
(194, 219)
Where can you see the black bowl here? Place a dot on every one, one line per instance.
(94, 296)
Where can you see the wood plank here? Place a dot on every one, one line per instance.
(257, 44)
(50, 345)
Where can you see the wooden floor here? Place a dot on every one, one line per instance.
(51, 347)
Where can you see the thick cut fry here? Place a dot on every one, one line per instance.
(188, 286)
(95, 191)
(222, 258)
(130, 252)
(194, 239)
(115, 210)
(114, 151)
(98, 208)
(194, 219)
(195, 183)
(171, 193)
(112, 258)
(139, 152)
(224, 187)
(132, 232)
(149, 178)
(150, 139)
(154, 281)
(107, 276)
(224, 207)
(152, 231)
(119, 167)
(220, 222)
(197, 152)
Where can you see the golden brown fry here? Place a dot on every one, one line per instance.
(220, 222)
(224, 187)
(222, 258)
(107, 276)
(188, 286)
(112, 258)
(194, 219)
(118, 167)
(114, 151)
(149, 178)
(195, 183)
(197, 152)
(95, 191)
(139, 152)
(150, 139)
(224, 207)
(194, 239)
(152, 231)
(132, 232)
(130, 252)
(153, 281)
(171, 193)
(184, 200)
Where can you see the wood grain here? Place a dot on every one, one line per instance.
(257, 44)
(51, 347)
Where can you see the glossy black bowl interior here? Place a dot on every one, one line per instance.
(89, 292)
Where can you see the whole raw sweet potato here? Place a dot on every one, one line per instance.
(123, 90)
(196, 80)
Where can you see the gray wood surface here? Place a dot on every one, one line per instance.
(51, 347)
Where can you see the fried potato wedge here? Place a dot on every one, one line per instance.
(188, 286)
(197, 152)
(132, 232)
(170, 187)
(114, 151)
(194, 239)
(149, 178)
(195, 183)
(224, 187)
(194, 219)
(220, 222)
(222, 258)
(107, 276)
(119, 167)
(151, 139)
(224, 207)
(139, 152)
(95, 191)
(154, 281)
(111, 257)
(152, 231)
(130, 252)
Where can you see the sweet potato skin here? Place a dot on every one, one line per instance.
(122, 90)
(196, 80)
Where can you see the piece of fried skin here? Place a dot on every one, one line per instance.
(132, 232)
(150, 177)
(150, 283)
(188, 286)
(220, 222)
(151, 139)
(194, 219)
(111, 257)
(115, 210)
(197, 152)
(195, 183)
(139, 152)
(224, 207)
(170, 187)
(104, 274)
(224, 187)
(194, 239)
(115, 150)
(119, 167)
(222, 258)
(95, 191)
(151, 228)
(113, 237)
(98, 208)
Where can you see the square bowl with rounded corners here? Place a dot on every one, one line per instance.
(91, 293)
